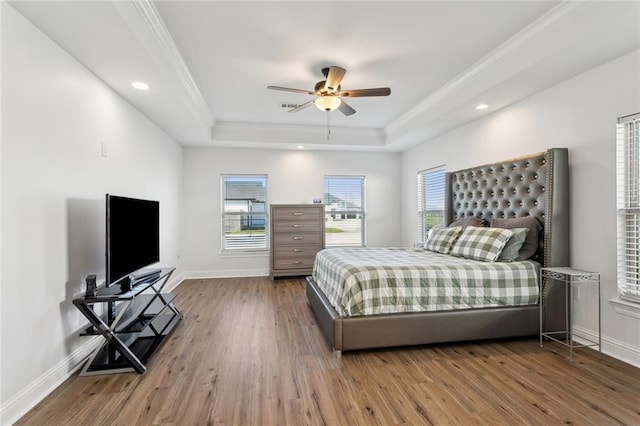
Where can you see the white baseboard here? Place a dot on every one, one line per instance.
(174, 282)
(18, 405)
(229, 273)
(612, 347)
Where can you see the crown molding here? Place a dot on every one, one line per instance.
(512, 47)
(285, 135)
(145, 21)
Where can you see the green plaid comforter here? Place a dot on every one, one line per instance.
(368, 280)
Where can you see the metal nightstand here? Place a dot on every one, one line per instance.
(569, 277)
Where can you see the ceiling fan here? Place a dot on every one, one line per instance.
(329, 95)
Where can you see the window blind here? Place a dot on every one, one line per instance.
(344, 200)
(244, 213)
(628, 206)
(431, 183)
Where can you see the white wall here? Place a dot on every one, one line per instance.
(55, 116)
(579, 114)
(293, 177)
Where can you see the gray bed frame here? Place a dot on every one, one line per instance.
(536, 185)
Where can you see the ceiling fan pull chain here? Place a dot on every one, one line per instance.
(328, 124)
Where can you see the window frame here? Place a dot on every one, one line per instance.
(358, 212)
(224, 215)
(438, 190)
(628, 207)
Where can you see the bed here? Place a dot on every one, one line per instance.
(535, 186)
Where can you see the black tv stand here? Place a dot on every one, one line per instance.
(133, 324)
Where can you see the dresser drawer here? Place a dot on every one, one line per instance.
(297, 251)
(294, 262)
(298, 238)
(297, 213)
(297, 226)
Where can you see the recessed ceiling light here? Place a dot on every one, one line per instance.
(140, 85)
(300, 147)
(481, 107)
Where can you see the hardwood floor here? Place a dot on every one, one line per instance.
(249, 352)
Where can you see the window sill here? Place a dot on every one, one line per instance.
(625, 307)
(244, 253)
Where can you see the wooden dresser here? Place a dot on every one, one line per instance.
(297, 234)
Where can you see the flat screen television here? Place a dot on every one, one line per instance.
(133, 237)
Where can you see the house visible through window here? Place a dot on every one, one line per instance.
(628, 206)
(244, 213)
(431, 184)
(344, 211)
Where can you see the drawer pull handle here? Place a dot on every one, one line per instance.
(297, 238)
(298, 250)
(297, 262)
(298, 213)
(298, 226)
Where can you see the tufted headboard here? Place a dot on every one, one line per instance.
(536, 185)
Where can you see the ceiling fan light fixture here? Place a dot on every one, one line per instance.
(327, 102)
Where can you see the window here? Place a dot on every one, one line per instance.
(344, 211)
(430, 200)
(244, 213)
(628, 206)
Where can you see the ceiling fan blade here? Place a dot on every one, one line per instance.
(357, 93)
(346, 108)
(301, 107)
(334, 77)
(288, 89)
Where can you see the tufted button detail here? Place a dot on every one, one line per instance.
(508, 189)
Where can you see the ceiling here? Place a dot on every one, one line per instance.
(208, 63)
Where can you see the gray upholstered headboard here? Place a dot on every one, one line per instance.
(536, 185)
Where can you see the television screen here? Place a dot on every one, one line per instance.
(133, 236)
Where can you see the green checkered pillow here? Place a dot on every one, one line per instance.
(512, 248)
(441, 238)
(483, 244)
